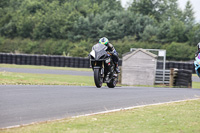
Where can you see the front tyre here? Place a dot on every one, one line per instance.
(97, 78)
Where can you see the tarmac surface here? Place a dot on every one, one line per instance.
(24, 104)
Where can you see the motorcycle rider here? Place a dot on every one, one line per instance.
(198, 49)
(111, 49)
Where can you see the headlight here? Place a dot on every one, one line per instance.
(108, 60)
(92, 53)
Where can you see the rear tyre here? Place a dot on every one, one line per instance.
(113, 82)
(97, 78)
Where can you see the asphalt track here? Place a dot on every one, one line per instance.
(24, 104)
(27, 104)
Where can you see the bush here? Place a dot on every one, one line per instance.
(175, 51)
(180, 51)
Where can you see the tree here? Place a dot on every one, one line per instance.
(145, 7)
(161, 10)
(78, 52)
(177, 31)
(110, 5)
(141, 23)
(80, 28)
(112, 30)
(149, 33)
(194, 35)
(171, 10)
(188, 14)
(179, 51)
(163, 31)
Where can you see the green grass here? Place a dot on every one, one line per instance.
(194, 75)
(44, 67)
(48, 79)
(196, 85)
(180, 117)
(44, 79)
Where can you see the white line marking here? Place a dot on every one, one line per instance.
(102, 112)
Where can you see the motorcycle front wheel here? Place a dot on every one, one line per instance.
(97, 78)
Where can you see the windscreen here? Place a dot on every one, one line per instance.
(98, 47)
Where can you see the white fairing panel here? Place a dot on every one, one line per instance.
(92, 53)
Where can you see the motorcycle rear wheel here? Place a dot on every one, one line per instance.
(97, 78)
(112, 83)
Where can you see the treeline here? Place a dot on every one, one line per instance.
(71, 27)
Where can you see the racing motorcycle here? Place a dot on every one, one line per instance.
(197, 65)
(103, 66)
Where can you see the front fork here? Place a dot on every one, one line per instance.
(102, 70)
(109, 67)
(96, 64)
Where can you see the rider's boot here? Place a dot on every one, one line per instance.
(107, 77)
(117, 68)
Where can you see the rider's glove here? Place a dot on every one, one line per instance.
(111, 52)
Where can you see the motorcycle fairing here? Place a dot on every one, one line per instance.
(197, 65)
(98, 51)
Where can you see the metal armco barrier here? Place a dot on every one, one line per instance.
(79, 62)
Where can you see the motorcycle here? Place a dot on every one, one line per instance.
(103, 66)
(197, 65)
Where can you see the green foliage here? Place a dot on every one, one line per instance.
(175, 51)
(180, 51)
(188, 14)
(81, 49)
(111, 29)
(149, 33)
(66, 26)
(194, 35)
(177, 31)
(161, 10)
(163, 31)
(79, 52)
(146, 7)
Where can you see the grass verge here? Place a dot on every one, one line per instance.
(44, 67)
(179, 117)
(44, 79)
(196, 85)
(194, 75)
